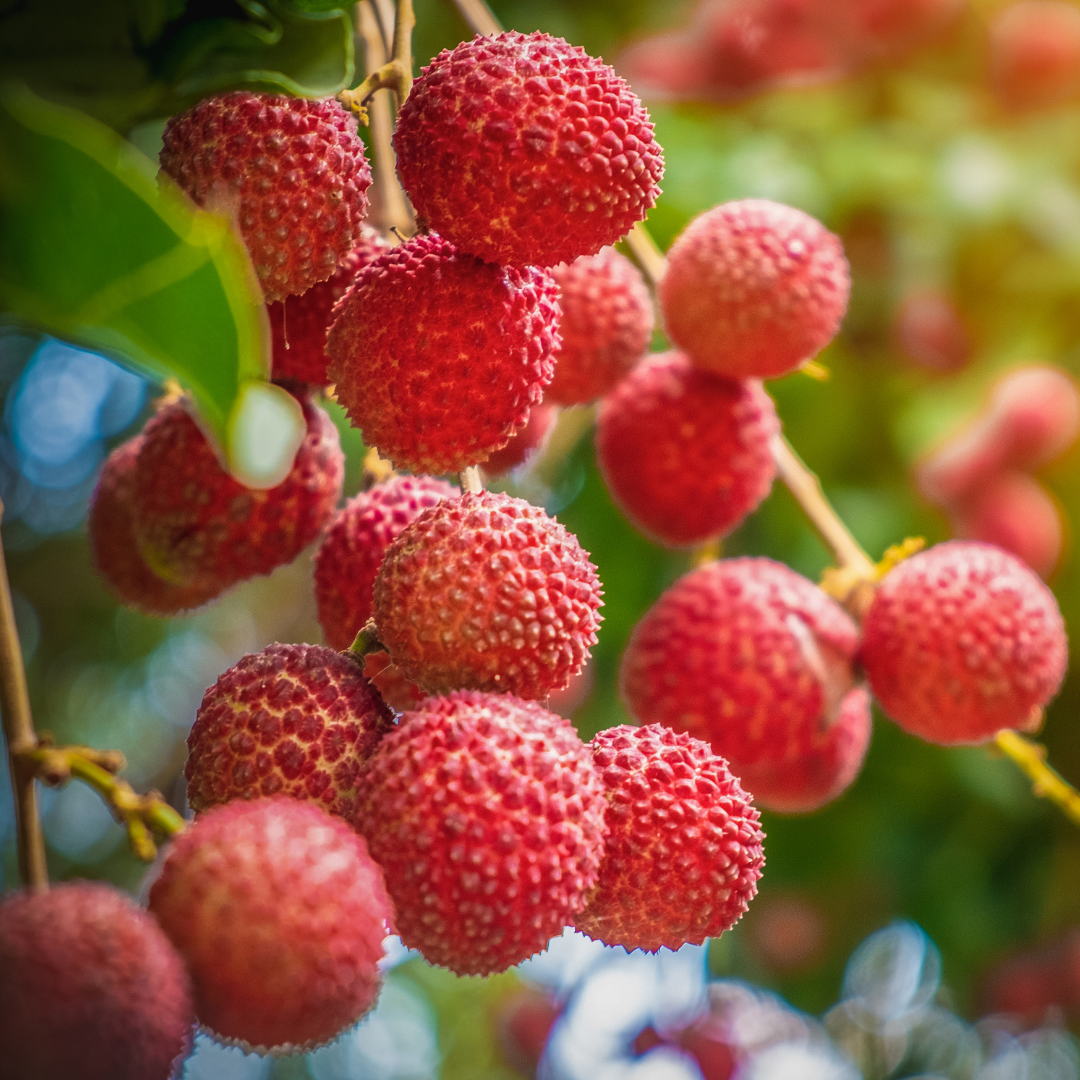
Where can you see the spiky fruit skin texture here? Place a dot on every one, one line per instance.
(196, 526)
(291, 170)
(753, 288)
(962, 641)
(279, 913)
(487, 816)
(487, 592)
(295, 720)
(755, 660)
(521, 148)
(298, 324)
(353, 546)
(683, 851)
(685, 454)
(607, 324)
(526, 444)
(438, 357)
(89, 987)
(114, 552)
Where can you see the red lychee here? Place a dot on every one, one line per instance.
(526, 444)
(487, 592)
(298, 324)
(686, 454)
(521, 148)
(291, 170)
(114, 552)
(400, 694)
(931, 332)
(753, 288)
(756, 660)
(353, 545)
(486, 814)
(1035, 53)
(89, 987)
(438, 357)
(198, 527)
(607, 324)
(280, 914)
(295, 720)
(962, 641)
(683, 851)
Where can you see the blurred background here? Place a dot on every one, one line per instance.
(927, 923)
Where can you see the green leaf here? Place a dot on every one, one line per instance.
(93, 250)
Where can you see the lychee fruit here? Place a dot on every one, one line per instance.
(353, 545)
(683, 851)
(295, 720)
(686, 454)
(89, 987)
(523, 149)
(1035, 53)
(400, 694)
(198, 527)
(962, 641)
(753, 288)
(114, 552)
(280, 915)
(931, 332)
(298, 324)
(486, 814)
(438, 357)
(607, 324)
(487, 592)
(756, 660)
(526, 444)
(291, 171)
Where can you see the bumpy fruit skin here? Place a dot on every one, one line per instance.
(295, 720)
(521, 148)
(487, 592)
(753, 288)
(353, 546)
(607, 324)
(1035, 53)
(526, 444)
(114, 552)
(685, 454)
(280, 914)
(293, 172)
(756, 660)
(298, 324)
(195, 525)
(487, 816)
(962, 641)
(89, 987)
(683, 851)
(438, 357)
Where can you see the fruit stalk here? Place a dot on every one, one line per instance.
(1046, 783)
(470, 480)
(18, 722)
(396, 73)
(479, 18)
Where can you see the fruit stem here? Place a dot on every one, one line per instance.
(470, 480)
(647, 255)
(1046, 783)
(19, 734)
(395, 74)
(479, 18)
(366, 641)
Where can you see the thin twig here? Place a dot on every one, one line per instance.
(470, 480)
(1030, 758)
(479, 18)
(647, 255)
(395, 74)
(18, 722)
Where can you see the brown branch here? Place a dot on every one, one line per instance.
(395, 74)
(479, 18)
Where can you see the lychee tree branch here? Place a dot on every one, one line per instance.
(395, 74)
(1046, 783)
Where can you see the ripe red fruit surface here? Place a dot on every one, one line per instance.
(295, 720)
(353, 545)
(526, 444)
(198, 527)
(1035, 52)
(89, 987)
(487, 592)
(756, 660)
(931, 332)
(298, 324)
(607, 324)
(685, 454)
(487, 816)
(962, 641)
(438, 357)
(291, 170)
(683, 851)
(114, 552)
(521, 148)
(753, 288)
(400, 694)
(280, 914)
